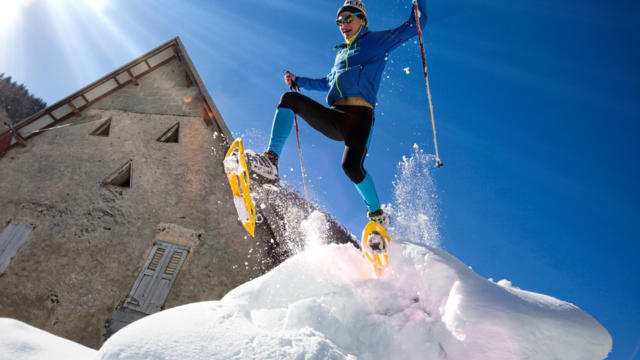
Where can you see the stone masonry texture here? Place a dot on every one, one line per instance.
(91, 239)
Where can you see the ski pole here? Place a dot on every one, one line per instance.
(294, 87)
(426, 80)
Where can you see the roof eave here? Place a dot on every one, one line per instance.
(79, 100)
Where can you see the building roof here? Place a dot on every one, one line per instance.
(72, 105)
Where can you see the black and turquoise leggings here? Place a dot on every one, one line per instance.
(351, 124)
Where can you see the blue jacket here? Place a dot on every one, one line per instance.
(358, 67)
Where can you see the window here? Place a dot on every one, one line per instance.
(152, 287)
(171, 135)
(103, 129)
(11, 240)
(121, 177)
(154, 283)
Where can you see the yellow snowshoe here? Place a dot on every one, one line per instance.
(375, 245)
(235, 167)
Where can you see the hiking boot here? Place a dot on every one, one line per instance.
(263, 166)
(380, 217)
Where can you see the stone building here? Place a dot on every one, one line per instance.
(114, 204)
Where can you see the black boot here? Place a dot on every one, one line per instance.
(380, 217)
(263, 166)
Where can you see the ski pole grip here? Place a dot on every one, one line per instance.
(294, 85)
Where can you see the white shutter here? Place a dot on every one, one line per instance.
(10, 241)
(154, 282)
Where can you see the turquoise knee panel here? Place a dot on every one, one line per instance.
(367, 190)
(280, 130)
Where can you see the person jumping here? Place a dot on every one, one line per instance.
(352, 87)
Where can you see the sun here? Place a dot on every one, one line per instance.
(9, 11)
(97, 5)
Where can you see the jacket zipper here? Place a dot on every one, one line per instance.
(346, 58)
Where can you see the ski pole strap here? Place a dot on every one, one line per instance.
(426, 80)
(294, 86)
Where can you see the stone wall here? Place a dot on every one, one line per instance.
(91, 240)
(163, 91)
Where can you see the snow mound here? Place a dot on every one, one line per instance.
(325, 304)
(20, 341)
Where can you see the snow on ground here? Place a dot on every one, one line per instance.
(325, 304)
(19, 341)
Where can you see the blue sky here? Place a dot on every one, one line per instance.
(537, 106)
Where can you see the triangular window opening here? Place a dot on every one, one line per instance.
(121, 177)
(103, 129)
(171, 135)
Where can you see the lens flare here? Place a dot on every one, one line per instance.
(97, 5)
(9, 12)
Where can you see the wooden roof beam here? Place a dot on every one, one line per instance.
(176, 54)
(133, 78)
(75, 109)
(16, 134)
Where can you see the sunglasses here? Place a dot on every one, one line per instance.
(347, 19)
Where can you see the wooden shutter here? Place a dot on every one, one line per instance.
(10, 241)
(154, 282)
